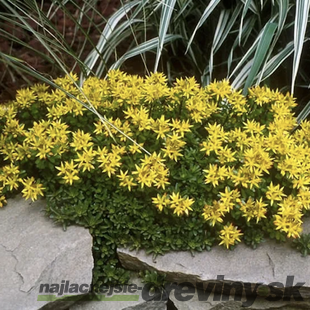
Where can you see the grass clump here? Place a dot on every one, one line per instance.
(162, 168)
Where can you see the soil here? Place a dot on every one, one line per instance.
(10, 80)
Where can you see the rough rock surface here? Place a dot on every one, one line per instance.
(220, 302)
(145, 300)
(268, 275)
(34, 251)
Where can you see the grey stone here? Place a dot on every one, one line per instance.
(145, 300)
(35, 251)
(223, 302)
(271, 262)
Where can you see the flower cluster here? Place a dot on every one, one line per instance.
(211, 153)
(179, 204)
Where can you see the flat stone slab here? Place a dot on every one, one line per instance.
(34, 251)
(268, 271)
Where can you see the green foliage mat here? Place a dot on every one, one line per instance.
(144, 165)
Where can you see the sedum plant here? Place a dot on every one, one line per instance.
(160, 168)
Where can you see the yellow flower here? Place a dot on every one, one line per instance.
(161, 127)
(184, 207)
(256, 157)
(102, 152)
(253, 127)
(156, 78)
(118, 150)
(81, 140)
(220, 89)
(13, 127)
(200, 107)
(304, 197)
(161, 178)
(73, 106)
(301, 181)
(100, 127)
(288, 224)
(291, 206)
(56, 111)
(126, 180)
(253, 209)
(144, 176)
(2, 201)
(215, 212)
(213, 144)
(173, 146)
(181, 126)
(32, 189)
(152, 170)
(245, 177)
(86, 159)
(211, 175)
(289, 217)
(10, 176)
(154, 87)
(230, 235)
(226, 155)
(11, 151)
(274, 193)
(216, 131)
(68, 171)
(161, 201)
(154, 160)
(135, 148)
(10, 170)
(44, 150)
(9, 110)
(175, 198)
(238, 102)
(39, 88)
(228, 198)
(186, 87)
(25, 97)
(180, 204)
(261, 94)
(109, 162)
(240, 137)
(288, 165)
(139, 117)
(126, 131)
(215, 174)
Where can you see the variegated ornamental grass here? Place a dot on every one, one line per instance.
(209, 153)
(252, 42)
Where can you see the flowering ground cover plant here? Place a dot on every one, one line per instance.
(164, 168)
